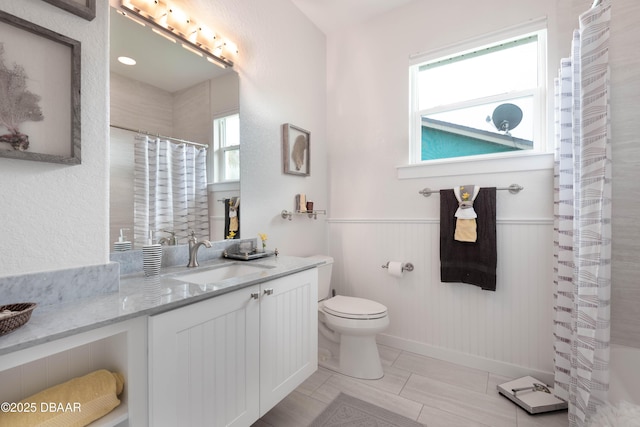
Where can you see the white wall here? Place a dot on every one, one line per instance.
(625, 293)
(56, 217)
(625, 376)
(368, 83)
(282, 70)
(625, 92)
(378, 217)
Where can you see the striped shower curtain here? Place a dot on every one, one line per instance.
(582, 223)
(170, 190)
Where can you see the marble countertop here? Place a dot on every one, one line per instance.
(142, 296)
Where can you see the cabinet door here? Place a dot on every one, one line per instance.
(288, 335)
(204, 361)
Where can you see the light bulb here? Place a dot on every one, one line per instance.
(126, 60)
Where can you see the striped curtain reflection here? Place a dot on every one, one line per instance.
(582, 238)
(170, 189)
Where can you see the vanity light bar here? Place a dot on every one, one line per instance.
(128, 16)
(176, 24)
(215, 62)
(166, 36)
(192, 50)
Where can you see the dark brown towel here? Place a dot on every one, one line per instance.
(469, 262)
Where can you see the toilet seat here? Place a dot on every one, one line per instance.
(354, 308)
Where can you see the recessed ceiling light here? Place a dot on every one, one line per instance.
(126, 60)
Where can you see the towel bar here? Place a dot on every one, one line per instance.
(513, 189)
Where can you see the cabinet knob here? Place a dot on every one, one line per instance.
(268, 291)
(255, 295)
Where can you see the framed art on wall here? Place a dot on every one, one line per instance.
(39, 93)
(296, 150)
(83, 8)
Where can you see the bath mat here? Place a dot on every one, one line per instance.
(346, 411)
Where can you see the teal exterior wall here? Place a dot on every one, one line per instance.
(438, 144)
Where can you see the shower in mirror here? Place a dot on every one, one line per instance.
(171, 94)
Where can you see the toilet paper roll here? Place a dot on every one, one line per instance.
(395, 268)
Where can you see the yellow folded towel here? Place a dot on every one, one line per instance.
(466, 230)
(75, 403)
(233, 223)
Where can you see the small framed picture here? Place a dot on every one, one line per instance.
(296, 150)
(83, 8)
(39, 93)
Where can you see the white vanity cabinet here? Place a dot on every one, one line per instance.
(227, 360)
(203, 362)
(288, 335)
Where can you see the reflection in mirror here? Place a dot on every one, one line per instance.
(170, 94)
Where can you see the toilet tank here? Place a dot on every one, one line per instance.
(324, 275)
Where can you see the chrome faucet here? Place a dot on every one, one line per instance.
(172, 240)
(194, 245)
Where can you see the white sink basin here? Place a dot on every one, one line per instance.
(205, 276)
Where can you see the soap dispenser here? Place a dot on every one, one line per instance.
(122, 244)
(151, 257)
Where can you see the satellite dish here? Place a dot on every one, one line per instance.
(506, 117)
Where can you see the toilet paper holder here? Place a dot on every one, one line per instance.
(405, 267)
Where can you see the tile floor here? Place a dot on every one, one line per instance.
(431, 391)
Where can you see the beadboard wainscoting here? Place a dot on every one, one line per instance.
(508, 332)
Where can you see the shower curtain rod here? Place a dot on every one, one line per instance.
(513, 189)
(197, 144)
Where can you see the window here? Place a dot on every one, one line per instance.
(225, 159)
(480, 101)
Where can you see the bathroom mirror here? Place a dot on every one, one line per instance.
(171, 92)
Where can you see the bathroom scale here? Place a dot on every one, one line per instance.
(532, 395)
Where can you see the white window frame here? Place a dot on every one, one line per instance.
(537, 158)
(216, 160)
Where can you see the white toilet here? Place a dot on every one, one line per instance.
(347, 329)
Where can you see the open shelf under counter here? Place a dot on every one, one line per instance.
(119, 347)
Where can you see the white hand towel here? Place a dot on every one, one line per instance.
(466, 228)
(466, 194)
